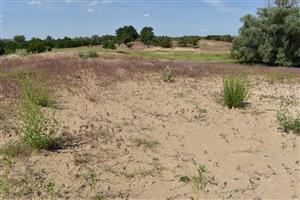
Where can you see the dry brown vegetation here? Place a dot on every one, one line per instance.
(125, 133)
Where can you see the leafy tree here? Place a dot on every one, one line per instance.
(2, 51)
(95, 40)
(109, 44)
(284, 3)
(126, 34)
(147, 36)
(272, 37)
(20, 40)
(164, 42)
(36, 46)
(188, 41)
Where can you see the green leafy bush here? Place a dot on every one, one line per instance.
(36, 92)
(288, 122)
(236, 90)
(90, 54)
(109, 44)
(272, 37)
(37, 128)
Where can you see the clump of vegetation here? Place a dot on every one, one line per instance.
(35, 92)
(198, 180)
(93, 180)
(90, 54)
(288, 122)
(15, 149)
(51, 190)
(37, 128)
(272, 37)
(236, 90)
(109, 44)
(168, 74)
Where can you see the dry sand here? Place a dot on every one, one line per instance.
(138, 137)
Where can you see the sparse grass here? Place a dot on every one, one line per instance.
(199, 179)
(4, 187)
(15, 149)
(236, 90)
(185, 179)
(93, 180)
(147, 143)
(51, 190)
(288, 122)
(277, 77)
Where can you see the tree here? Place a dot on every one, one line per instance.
(109, 44)
(272, 37)
(2, 51)
(36, 46)
(283, 3)
(20, 40)
(126, 34)
(147, 36)
(163, 41)
(95, 40)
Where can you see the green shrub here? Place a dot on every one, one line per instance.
(109, 44)
(288, 122)
(36, 92)
(271, 38)
(236, 90)
(93, 54)
(37, 128)
(90, 54)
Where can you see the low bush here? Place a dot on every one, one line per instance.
(37, 128)
(288, 122)
(90, 54)
(36, 92)
(236, 90)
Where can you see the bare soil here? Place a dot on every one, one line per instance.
(139, 135)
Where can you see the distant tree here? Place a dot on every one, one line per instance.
(147, 36)
(109, 44)
(10, 46)
(188, 41)
(20, 41)
(126, 34)
(95, 40)
(36, 46)
(2, 51)
(49, 42)
(272, 37)
(164, 42)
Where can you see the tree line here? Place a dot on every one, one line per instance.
(124, 35)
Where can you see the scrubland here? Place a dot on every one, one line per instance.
(129, 127)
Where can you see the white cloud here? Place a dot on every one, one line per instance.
(92, 3)
(35, 2)
(219, 5)
(90, 10)
(146, 15)
(105, 2)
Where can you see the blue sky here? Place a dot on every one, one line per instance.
(59, 18)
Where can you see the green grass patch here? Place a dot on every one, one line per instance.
(236, 90)
(288, 122)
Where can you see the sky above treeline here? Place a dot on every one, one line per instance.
(59, 18)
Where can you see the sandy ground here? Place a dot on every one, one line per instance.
(137, 138)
